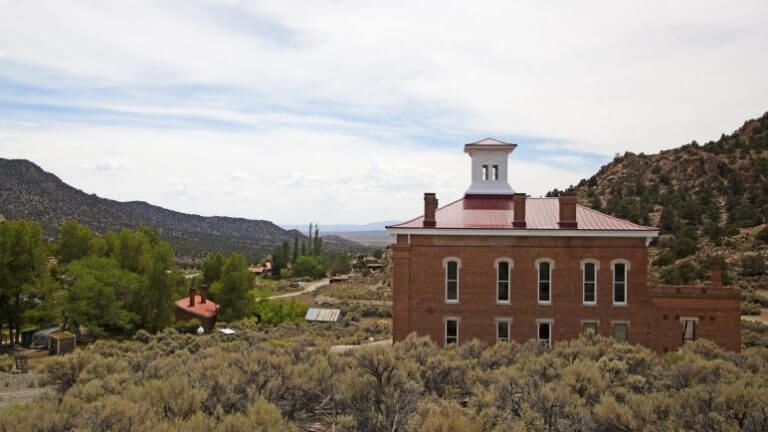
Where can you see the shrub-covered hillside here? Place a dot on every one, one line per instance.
(285, 378)
(707, 199)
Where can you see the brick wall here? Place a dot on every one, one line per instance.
(419, 291)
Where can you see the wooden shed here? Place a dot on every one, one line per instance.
(62, 342)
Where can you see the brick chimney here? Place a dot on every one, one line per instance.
(191, 297)
(203, 294)
(567, 211)
(518, 211)
(430, 207)
(716, 269)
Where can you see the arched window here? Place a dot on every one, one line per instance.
(544, 268)
(452, 266)
(589, 268)
(620, 269)
(503, 268)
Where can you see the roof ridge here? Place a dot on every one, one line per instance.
(614, 217)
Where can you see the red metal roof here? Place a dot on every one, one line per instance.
(495, 212)
(208, 309)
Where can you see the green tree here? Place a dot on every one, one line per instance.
(234, 295)
(22, 268)
(158, 297)
(98, 294)
(309, 266)
(317, 248)
(295, 248)
(212, 267)
(340, 263)
(131, 249)
(75, 241)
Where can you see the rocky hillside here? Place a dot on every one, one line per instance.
(29, 192)
(707, 199)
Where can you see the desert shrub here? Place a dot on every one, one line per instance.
(752, 265)
(748, 308)
(762, 235)
(274, 312)
(6, 362)
(189, 326)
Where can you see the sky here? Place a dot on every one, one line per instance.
(348, 111)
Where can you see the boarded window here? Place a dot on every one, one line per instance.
(620, 331)
(502, 282)
(689, 330)
(589, 327)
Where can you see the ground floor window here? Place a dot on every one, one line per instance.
(689, 329)
(589, 327)
(544, 330)
(502, 330)
(451, 331)
(620, 331)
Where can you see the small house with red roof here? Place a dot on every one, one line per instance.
(198, 307)
(497, 265)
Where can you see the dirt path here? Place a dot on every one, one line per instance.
(307, 287)
(344, 348)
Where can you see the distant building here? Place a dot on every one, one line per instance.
(61, 342)
(198, 307)
(499, 266)
(323, 315)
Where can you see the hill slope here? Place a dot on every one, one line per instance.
(29, 192)
(707, 199)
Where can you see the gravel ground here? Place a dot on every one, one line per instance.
(20, 388)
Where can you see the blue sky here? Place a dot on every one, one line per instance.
(346, 112)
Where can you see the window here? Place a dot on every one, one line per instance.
(485, 172)
(544, 330)
(589, 283)
(451, 280)
(620, 331)
(589, 327)
(689, 329)
(502, 330)
(620, 282)
(544, 267)
(451, 331)
(503, 267)
(495, 172)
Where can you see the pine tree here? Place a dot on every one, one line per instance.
(309, 233)
(303, 247)
(295, 248)
(317, 247)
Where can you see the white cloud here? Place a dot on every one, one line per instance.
(351, 180)
(106, 165)
(364, 91)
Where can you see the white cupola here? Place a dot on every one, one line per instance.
(489, 167)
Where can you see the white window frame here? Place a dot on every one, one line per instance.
(584, 280)
(596, 322)
(508, 322)
(511, 265)
(538, 280)
(495, 172)
(445, 330)
(695, 321)
(613, 323)
(445, 279)
(626, 281)
(485, 172)
(551, 323)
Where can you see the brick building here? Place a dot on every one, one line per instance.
(497, 265)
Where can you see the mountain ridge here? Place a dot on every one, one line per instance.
(28, 191)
